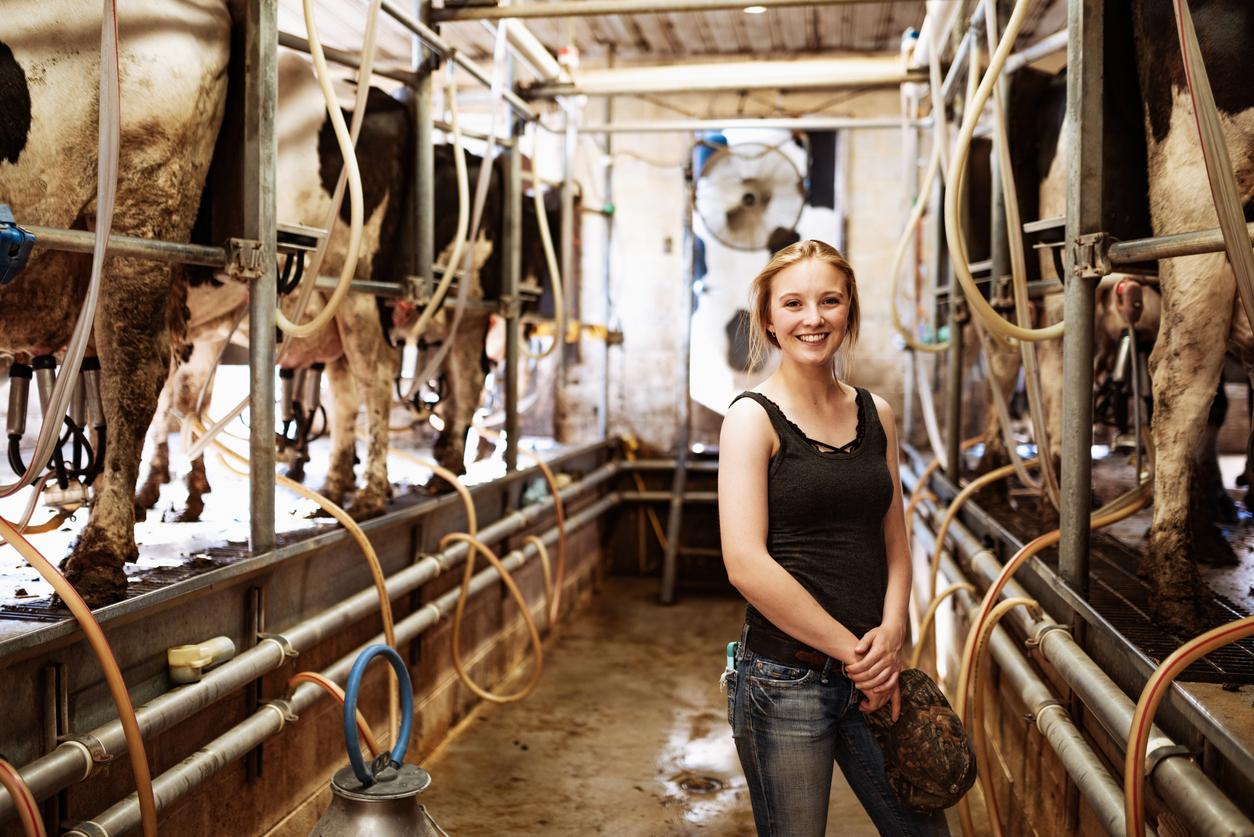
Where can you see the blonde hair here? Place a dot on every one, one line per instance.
(761, 340)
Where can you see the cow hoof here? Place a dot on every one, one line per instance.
(191, 514)
(1183, 617)
(1225, 508)
(1212, 549)
(147, 497)
(99, 582)
(366, 505)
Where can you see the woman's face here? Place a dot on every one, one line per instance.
(809, 311)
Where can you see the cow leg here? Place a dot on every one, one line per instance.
(133, 339)
(189, 379)
(1185, 364)
(373, 364)
(340, 477)
(464, 375)
(159, 465)
(1210, 501)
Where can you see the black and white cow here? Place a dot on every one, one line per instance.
(174, 59)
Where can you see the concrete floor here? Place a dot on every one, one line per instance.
(628, 712)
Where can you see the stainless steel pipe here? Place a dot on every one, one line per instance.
(595, 8)
(349, 59)
(82, 241)
(1169, 246)
(71, 762)
(271, 718)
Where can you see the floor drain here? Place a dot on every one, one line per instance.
(700, 784)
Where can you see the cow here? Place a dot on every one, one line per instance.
(174, 61)
(1199, 300)
(360, 363)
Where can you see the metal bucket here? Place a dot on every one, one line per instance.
(387, 808)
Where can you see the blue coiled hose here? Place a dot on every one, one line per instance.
(365, 774)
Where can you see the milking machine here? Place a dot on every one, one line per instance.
(1119, 398)
(15, 245)
(86, 416)
(300, 403)
(378, 799)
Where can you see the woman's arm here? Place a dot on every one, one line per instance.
(744, 459)
(876, 672)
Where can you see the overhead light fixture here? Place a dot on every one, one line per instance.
(755, 10)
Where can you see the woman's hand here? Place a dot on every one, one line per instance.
(876, 700)
(878, 662)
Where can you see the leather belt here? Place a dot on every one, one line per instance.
(789, 651)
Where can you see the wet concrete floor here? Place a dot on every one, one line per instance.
(626, 734)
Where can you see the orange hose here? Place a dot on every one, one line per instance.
(113, 674)
(976, 726)
(477, 546)
(333, 688)
(543, 552)
(372, 559)
(23, 800)
(1147, 707)
(472, 519)
(951, 512)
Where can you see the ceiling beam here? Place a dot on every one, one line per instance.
(586, 8)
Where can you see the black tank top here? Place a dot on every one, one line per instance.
(826, 516)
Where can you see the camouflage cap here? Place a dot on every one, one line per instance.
(928, 756)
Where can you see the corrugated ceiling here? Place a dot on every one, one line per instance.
(658, 38)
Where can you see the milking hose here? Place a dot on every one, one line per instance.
(477, 546)
(353, 687)
(23, 800)
(108, 663)
(1124, 506)
(955, 505)
(463, 220)
(109, 131)
(358, 535)
(997, 325)
(355, 201)
(550, 258)
(1019, 282)
(333, 689)
(1134, 767)
(976, 726)
(916, 654)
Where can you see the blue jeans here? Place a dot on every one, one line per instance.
(790, 724)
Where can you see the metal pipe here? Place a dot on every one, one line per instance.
(803, 123)
(1168, 246)
(953, 390)
(72, 762)
(1085, 125)
(409, 78)
(271, 718)
(446, 51)
(81, 241)
(259, 216)
(1049, 45)
(528, 48)
(1177, 778)
(570, 143)
(607, 311)
(502, 142)
(424, 161)
(809, 74)
(512, 266)
(590, 8)
(669, 496)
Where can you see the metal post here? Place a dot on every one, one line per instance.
(603, 411)
(1085, 131)
(679, 484)
(424, 160)
(512, 266)
(260, 152)
(561, 408)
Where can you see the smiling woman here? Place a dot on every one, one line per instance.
(813, 536)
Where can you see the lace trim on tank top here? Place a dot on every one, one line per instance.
(824, 447)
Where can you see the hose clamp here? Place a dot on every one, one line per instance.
(284, 644)
(1036, 639)
(95, 750)
(1164, 751)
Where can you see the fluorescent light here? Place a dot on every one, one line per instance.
(755, 10)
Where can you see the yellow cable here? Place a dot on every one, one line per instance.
(917, 652)
(477, 546)
(113, 674)
(23, 800)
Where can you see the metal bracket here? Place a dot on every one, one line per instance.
(283, 642)
(1090, 256)
(284, 708)
(511, 306)
(243, 259)
(1155, 757)
(1035, 640)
